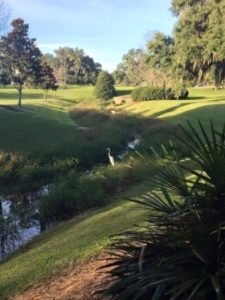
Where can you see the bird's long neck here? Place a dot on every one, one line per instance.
(108, 151)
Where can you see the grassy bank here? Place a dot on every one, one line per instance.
(70, 241)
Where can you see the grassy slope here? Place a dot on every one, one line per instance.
(73, 240)
(203, 104)
(83, 236)
(40, 127)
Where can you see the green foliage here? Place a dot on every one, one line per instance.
(119, 75)
(177, 91)
(47, 79)
(104, 88)
(179, 253)
(200, 23)
(19, 173)
(72, 66)
(148, 93)
(79, 192)
(20, 57)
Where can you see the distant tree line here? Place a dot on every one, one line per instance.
(73, 66)
(23, 64)
(195, 52)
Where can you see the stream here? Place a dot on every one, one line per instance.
(19, 220)
(19, 215)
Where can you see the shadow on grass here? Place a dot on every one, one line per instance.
(196, 98)
(204, 114)
(171, 109)
(162, 112)
(123, 92)
(12, 96)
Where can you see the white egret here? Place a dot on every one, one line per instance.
(111, 159)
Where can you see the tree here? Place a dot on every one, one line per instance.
(119, 74)
(135, 66)
(20, 58)
(199, 38)
(72, 66)
(104, 88)
(160, 57)
(47, 79)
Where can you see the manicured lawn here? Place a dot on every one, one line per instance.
(203, 104)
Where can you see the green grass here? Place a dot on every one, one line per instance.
(43, 127)
(40, 127)
(73, 240)
(203, 104)
(48, 126)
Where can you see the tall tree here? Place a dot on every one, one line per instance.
(199, 38)
(20, 58)
(72, 66)
(135, 66)
(160, 57)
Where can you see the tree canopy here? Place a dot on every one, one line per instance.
(199, 38)
(47, 79)
(20, 58)
(194, 53)
(73, 66)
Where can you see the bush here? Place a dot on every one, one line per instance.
(171, 95)
(158, 93)
(79, 192)
(179, 253)
(148, 93)
(104, 88)
(19, 173)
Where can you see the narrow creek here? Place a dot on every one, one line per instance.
(19, 214)
(19, 220)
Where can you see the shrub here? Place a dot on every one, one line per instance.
(148, 93)
(79, 192)
(19, 173)
(175, 95)
(104, 88)
(179, 253)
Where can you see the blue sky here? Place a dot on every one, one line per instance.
(104, 29)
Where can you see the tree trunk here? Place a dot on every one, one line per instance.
(20, 96)
(45, 96)
(2, 236)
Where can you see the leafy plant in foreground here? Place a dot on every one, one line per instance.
(180, 252)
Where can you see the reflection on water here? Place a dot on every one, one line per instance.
(131, 145)
(19, 220)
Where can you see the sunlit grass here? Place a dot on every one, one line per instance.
(203, 104)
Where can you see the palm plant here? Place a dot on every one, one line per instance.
(179, 253)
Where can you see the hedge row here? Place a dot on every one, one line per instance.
(156, 93)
